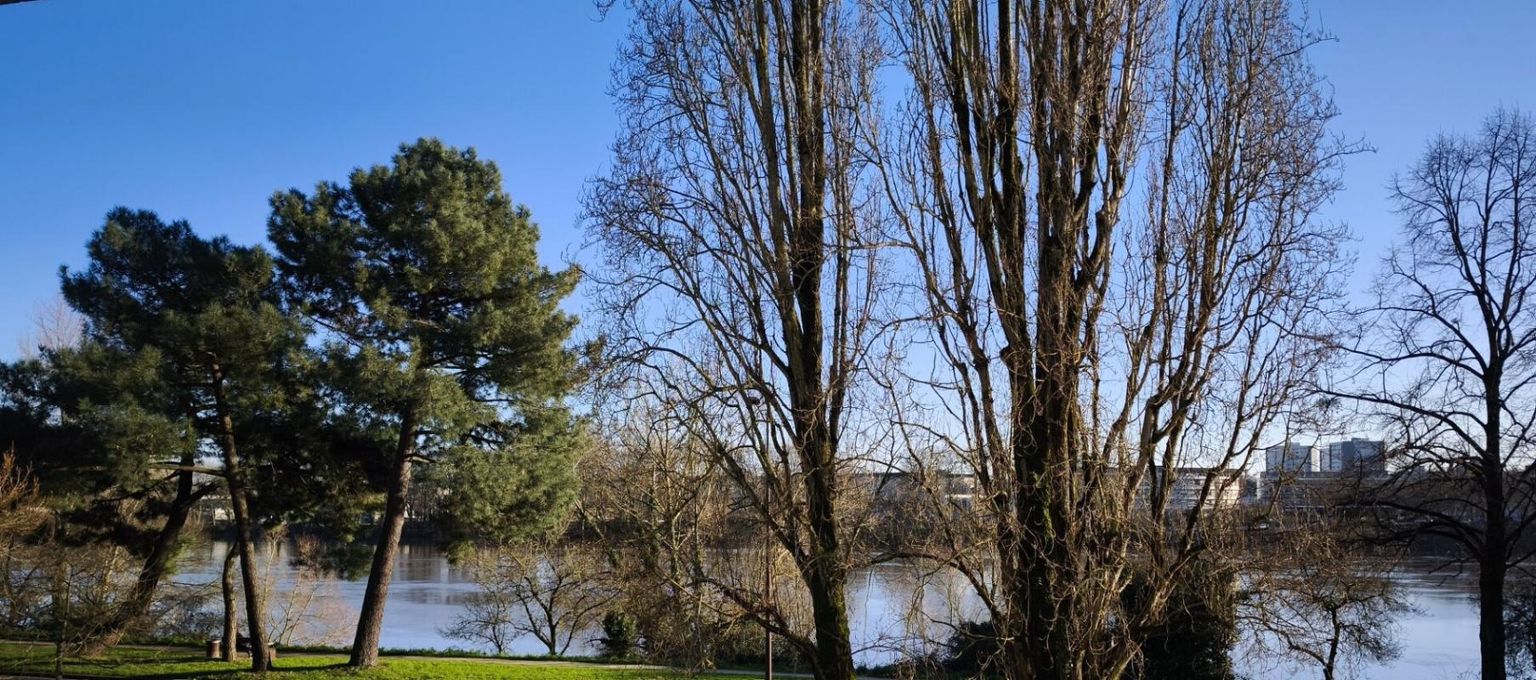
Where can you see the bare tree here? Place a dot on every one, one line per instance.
(666, 512)
(1447, 363)
(488, 617)
(743, 264)
(1093, 340)
(65, 592)
(55, 325)
(301, 596)
(1520, 623)
(549, 588)
(1310, 600)
(20, 516)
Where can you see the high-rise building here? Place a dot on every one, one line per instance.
(1357, 455)
(1290, 458)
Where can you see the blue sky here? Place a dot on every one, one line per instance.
(200, 110)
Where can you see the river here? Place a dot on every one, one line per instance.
(1438, 640)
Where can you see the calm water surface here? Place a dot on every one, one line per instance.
(1439, 641)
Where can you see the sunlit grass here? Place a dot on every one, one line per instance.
(147, 664)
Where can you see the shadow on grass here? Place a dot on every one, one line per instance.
(151, 666)
(83, 674)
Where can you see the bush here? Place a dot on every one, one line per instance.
(971, 648)
(1195, 638)
(621, 633)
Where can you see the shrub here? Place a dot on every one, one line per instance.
(621, 633)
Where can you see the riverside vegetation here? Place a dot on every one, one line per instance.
(1014, 292)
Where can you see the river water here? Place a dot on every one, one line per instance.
(1438, 640)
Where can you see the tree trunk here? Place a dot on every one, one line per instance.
(227, 589)
(1491, 567)
(60, 596)
(370, 620)
(157, 566)
(826, 576)
(255, 604)
(813, 398)
(829, 609)
(239, 503)
(1492, 639)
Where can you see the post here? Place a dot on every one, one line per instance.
(767, 577)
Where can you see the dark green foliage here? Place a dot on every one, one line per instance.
(621, 635)
(503, 494)
(168, 316)
(972, 648)
(109, 419)
(442, 329)
(186, 357)
(425, 281)
(1194, 639)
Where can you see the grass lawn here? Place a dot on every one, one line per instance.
(148, 664)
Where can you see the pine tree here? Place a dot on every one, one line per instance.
(184, 341)
(441, 325)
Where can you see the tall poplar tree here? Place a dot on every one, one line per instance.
(440, 324)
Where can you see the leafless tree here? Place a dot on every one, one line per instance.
(549, 588)
(1091, 339)
(20, 517)
(65, 592)
(488, 617)
(742, 264)
(1308, 598)
(1446, 358)
(55, 325)
(301, 595)
(1520, 622)
(666, 513)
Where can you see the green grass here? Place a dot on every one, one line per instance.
(150, 664)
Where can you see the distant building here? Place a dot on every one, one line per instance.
(1290, 459)
(1365, 456)
(1301, 478)
(1225, 490)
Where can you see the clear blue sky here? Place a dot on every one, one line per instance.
(200, 110)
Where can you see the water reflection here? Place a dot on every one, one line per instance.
(894, 609)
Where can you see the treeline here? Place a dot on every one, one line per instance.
(1070, 252)
(1075, 252)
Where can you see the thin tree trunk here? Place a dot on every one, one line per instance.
(239, 503)
(370, 621)
(60, 597)
(227, 588)
(255, 604)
